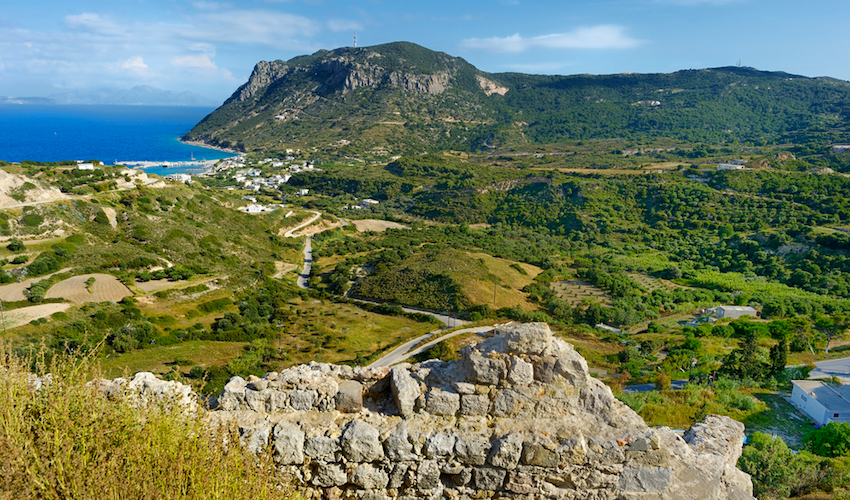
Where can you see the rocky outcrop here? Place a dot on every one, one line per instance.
(265, 73)
(518, 416)
(490, 87)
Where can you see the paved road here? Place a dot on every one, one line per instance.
(421, 344)
(449, 321)
(304, 224)
(308, 263)
(826, 369)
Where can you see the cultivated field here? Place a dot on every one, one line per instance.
(105, 288)
(14, 292)
(378, 226)
(651, 284)
(576, 291)
(23, 315)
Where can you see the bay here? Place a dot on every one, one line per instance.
(110, 134)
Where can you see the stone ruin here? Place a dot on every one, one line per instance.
(518, 416)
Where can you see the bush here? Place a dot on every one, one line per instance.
(15, 245)
(20, 259)
(832, 440)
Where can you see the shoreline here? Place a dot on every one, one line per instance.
(202, 144)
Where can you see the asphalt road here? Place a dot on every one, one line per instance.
(421, 344)
(308, 263)
(826, 369)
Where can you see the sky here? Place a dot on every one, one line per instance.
(54, 46)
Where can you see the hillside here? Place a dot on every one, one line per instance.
(402, 98)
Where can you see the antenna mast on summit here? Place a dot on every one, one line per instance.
(355, 40)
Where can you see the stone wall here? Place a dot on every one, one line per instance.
(518, 416)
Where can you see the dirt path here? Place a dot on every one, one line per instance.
(23, 315)
(14, 292)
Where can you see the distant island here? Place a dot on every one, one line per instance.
(140, 95)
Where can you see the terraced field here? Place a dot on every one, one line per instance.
(651, 284)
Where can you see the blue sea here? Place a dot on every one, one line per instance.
(110, 134)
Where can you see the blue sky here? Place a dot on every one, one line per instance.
(53, 46)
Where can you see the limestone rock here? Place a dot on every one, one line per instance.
(360, 442)
(405, 390)
(506, 451)
(439, 402)
(368, 477)
(521, 372)
(288, 444)
(349, 399)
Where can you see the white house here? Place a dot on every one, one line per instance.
(185, 178)
(735, 312)
(728, 166)
(85, 166)
(303, 192)
(821, 402)
(255, 209)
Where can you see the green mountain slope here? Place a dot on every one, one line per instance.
(402, 98)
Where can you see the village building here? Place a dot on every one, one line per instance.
(820, 401)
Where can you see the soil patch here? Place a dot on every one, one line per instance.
(378, 226)
(154, 285)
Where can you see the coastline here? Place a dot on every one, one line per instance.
(202, 144)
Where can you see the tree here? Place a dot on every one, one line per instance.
(779, 356)
(832, 327)
(832, 440)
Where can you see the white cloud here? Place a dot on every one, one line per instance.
(93, 23)
(193, 61)
(266, 27)
(604, 36)
(343, 25)
(135, 62)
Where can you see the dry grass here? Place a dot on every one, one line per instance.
(67, 441)
(23, 315)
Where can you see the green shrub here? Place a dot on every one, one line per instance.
(20, 259)
(15, 245)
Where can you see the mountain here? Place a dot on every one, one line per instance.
(405, 98)
(139, 95)
(26, 100)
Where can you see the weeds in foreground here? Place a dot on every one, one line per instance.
(65, 440)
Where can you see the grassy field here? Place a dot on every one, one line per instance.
(779, 418)
(330, 332)
(200, 352)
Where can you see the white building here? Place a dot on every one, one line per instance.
(821, 402)
(185, 178)
(735, 312)
(728, 166)
(85, 166)
(303, 192)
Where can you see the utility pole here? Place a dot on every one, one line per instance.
(3, 317)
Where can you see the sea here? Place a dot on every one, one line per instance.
(110, 134)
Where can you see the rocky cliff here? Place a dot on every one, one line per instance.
(518, 416)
